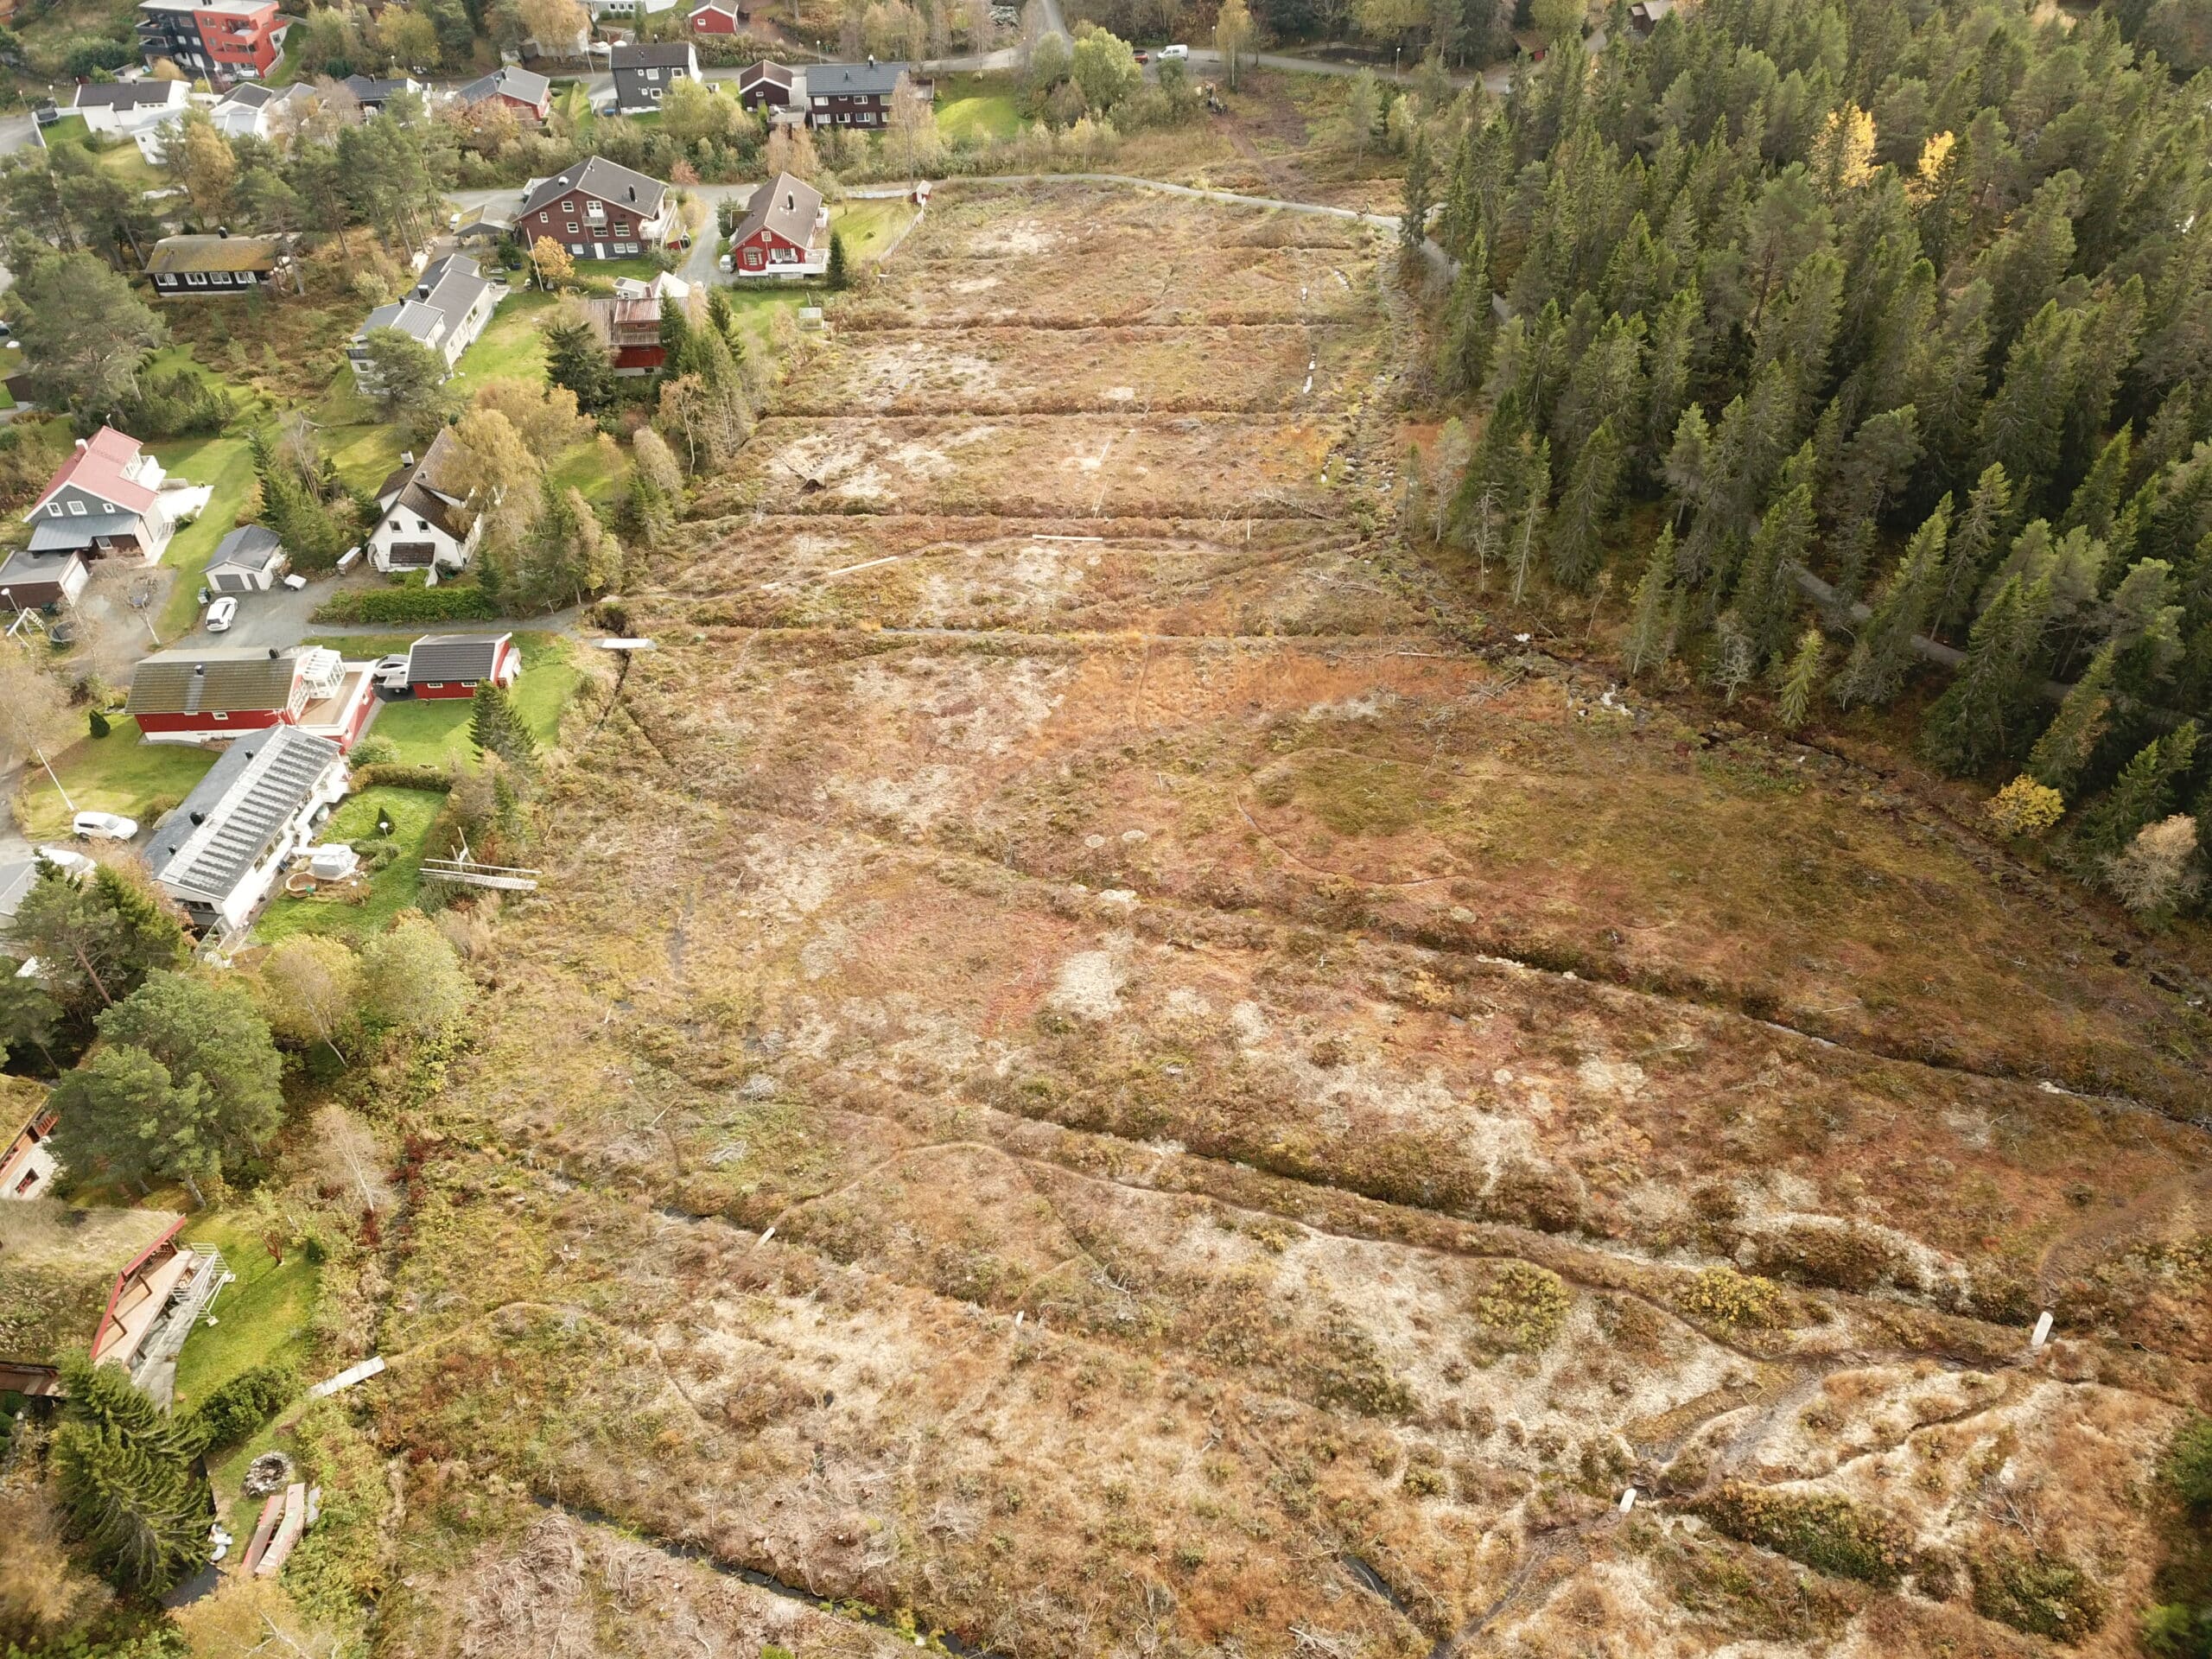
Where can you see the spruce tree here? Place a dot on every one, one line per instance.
(2097, 498)
(495, 728)
(2145, 792)
(1800, 680)
(575, 359)
(675, 337)
(1765, 597)
(2071, 739)
(1978, 719)
(1655, 612)
(1464, 348)
(1975, 540)
(128, 1483)
(838, 275)
(1526, 535)
(1875, 672)
(1420, 186)
(1585, 506)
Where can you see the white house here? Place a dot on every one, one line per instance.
(223, 850)
(128, 108)
(429, 523)
(447, 309)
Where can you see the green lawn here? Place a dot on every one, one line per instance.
(869, 226)
(362, 446)
(225, 463)
(432, 732)
(392, 890)
(512, 346)
(116, 774)
(261, 1319)
(976, 108)
(594, 468)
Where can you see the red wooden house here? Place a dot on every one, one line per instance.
(721, 18)
(784, 233)
(204, 696)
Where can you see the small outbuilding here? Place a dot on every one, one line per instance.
(31, 580)
(118, 1281)
(452, 664)
(247, 560)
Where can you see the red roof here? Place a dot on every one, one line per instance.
(97, 466)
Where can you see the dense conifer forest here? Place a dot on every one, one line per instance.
(1869, 346)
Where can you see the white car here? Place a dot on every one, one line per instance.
(1174, 55)
(73, 863)
(105, 826)
(221, 614)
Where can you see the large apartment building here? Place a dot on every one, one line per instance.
(223, 40)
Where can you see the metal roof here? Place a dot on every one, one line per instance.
(32, 565)
(210, 681)
(445, 658)
(249, 547)
(869, 80)
(205, 846)
(74, 535)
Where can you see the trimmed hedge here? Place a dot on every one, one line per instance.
(448, 602)
(394, 774)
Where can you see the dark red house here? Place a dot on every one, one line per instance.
(204, 696)
(721, 18)
(451, 665)
(599, 210)
(784, 233)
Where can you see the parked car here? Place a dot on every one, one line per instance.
(73, 863)
(105, 826)
(388, 677)
(221, 614)
(1142, 56)
(1180, 54)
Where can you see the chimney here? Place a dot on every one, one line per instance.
(200, 817)
(633, 192)
(81, 443)
(273, 653)
(198, 669)
(407, 457)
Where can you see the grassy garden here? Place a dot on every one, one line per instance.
(114, 773)
(225, 463)
(977, 108)
(261, 1319)
(391, 889)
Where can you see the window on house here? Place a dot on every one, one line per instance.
(572, 228)
(599, 233)
(653, 74)
(196, 278)
(76, 509)
(219, 716)
(54, 510)
(567, 206)
(422, 524)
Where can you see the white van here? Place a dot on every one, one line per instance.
(1180, 54)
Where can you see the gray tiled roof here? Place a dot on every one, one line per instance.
(784, 204)
(230, 682)
(206, 846)
(443, 658)
(653, 54)
(610, 181)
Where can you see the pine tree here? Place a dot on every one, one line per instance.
(1585, 506)
(1463, 347)
(1876, 669)
(721, 314)
(1801, 679)
(1977, 720)
(838, 275)
(2071, 739)
(1655, 612)
(127, 1481)
(495, 728)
